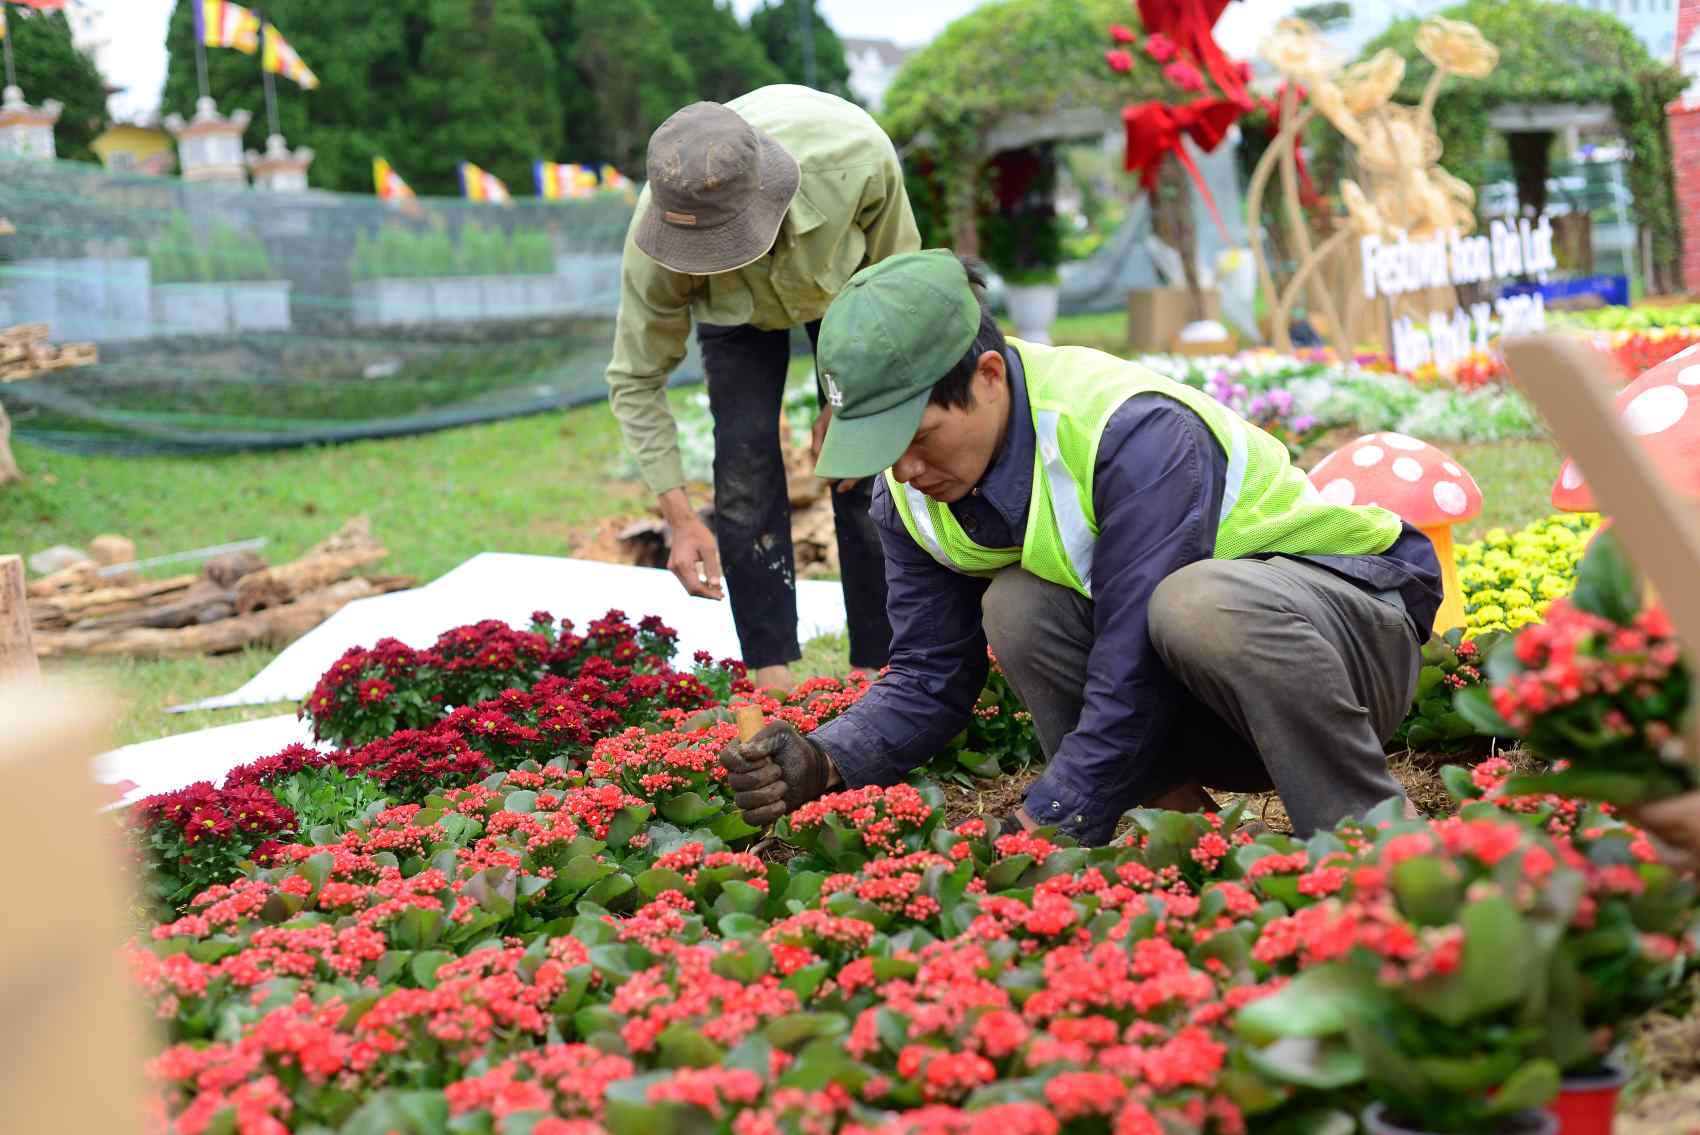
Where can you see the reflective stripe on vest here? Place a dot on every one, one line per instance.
(1078, 539)
(924, 525)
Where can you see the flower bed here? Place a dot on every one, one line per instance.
(1325, 394)
(1509, 578)
(537, 913)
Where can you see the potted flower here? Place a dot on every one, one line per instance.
(1599, 689)
(1021, 238)
(1419, 978)
(1623, 953)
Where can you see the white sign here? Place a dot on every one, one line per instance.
(1449, 259)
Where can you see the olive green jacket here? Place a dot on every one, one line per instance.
(850, 211)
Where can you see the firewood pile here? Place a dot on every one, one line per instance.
(236, 600)
(26, 353)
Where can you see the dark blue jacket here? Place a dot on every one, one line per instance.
(1157, 491)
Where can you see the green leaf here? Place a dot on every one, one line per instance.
(627, 822)
(657, 879)
(688, 808)
(1607, 583)
(523, 801)
(1428, 889)
(1458, 783)
(730, 826)
(1499, 962)
(985, 765)
(1533, 1085)
(791, 1031)
(415, 929)
(682, 1045)
(1428, 678)
(494, 889)
(1619, 788)
(746, 963)
(824, 1062)
(610, 889)
(1475, 705)
(1317, 1003)
(425, 965)
(1309, 1061)
(1005, 872)
(738, 897)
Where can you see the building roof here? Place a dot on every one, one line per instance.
(889, 53)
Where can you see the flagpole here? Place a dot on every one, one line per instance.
(266, 76)
(201, 46)
(11, 71)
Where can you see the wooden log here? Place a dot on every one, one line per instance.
(78, 577)
(276, 586)
(353, 536)
(276, 627)
(17, 655)
(9, 470)
(193, 607)
(226, 568)
(71, 607)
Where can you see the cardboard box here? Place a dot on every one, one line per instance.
(1156, 315)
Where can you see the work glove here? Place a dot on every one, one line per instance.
(774, 773)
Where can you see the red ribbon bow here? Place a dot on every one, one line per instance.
(1155, 130)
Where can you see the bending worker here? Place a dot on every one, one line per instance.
(755, 214)
(1172, 601)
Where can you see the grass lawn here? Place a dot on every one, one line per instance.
(524, 485)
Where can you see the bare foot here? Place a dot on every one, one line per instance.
(774, 678)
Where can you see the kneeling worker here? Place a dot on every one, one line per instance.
(1172, 601)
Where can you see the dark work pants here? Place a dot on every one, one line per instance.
(752, 508)
(1292, 678)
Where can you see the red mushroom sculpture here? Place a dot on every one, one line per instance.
(1662, 409)
(1416, 481)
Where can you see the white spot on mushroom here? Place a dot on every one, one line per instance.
(1655, 410)
(1339, 491)
(1686, 351)
(1689, 375)
(1571, 479)
(1368, 455)
(1452, 469)
(1408, 469)
(1450, 497)
(1401, 441)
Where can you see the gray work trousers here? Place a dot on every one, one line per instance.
(1293, 677)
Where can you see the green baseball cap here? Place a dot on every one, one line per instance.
(894, 331)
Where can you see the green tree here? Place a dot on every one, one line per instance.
(365, 57)
(483, 84)
(724, 56)
(627, 70)
(50, 67)
(778, 25)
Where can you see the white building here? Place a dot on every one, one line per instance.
(873, 65)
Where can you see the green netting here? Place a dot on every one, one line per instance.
(232, 317)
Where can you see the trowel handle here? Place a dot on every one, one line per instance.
(749, 721)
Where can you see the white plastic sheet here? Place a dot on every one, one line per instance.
(171, 763)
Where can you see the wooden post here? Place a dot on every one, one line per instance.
(749, 721)
(17, 653)
(72, 1011)
(9, 470)
(1569, 384)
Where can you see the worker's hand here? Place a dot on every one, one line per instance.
(774, 773)
(818, 436)
(1675, 823)
(693, 558)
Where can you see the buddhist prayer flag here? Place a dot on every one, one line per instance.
(556, 180)
(280, 59)
(481, 185)
(219, 23)
(389, 184)
(2, 21)
(614, 179)
(44, 5)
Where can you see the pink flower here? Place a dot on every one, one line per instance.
(1184, 75)
(1160, 47)
(1119, 61)
(1121, 33)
